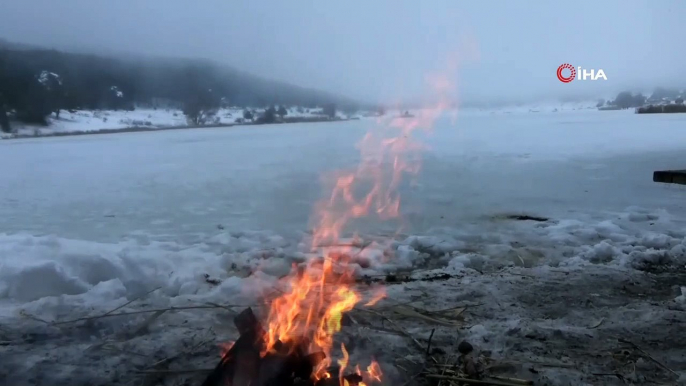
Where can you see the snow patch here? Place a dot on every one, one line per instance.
(39, 281)
(681, 298)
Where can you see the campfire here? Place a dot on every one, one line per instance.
(295, 345)
(250, 361)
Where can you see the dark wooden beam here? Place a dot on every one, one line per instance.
(670, 176)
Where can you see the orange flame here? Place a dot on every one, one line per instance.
(380, 294)
(318, 293)
(374, 371)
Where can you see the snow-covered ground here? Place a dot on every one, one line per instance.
(97, 120)
(87, 120)
(92, 222)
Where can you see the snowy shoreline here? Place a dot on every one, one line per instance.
(85, 122)
(553, 326)
(146, 129)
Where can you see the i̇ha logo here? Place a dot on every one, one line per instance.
(579, 73)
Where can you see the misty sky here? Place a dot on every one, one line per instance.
(382, 49)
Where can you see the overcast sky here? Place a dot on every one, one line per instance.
(381, 49)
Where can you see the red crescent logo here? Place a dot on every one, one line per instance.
(571, 76)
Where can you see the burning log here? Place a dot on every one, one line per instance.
(239, 365)
(287, 364)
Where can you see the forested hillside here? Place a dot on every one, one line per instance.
(36, 82)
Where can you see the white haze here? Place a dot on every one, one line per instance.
(381, 50)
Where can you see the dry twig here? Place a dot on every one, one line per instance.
(224, 307)
(37, 319)
(471, 381)
(108, 347)
(600, 322)
(414, 377)
(648, 356)
(428, 345)
(144, 326)
(400, 329)
(512, 380)
(544, 364)
(188, 351)
(107, 315)
(447, 360)
(617, 375)
(168, 372)
(131, 301)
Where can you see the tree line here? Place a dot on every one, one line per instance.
(627, 99)
(35, 83)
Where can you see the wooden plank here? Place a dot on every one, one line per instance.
(670, 176)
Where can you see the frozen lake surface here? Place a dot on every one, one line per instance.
(175, 184)
(90, 222)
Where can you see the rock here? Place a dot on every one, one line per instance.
(465, 347)
(210, 280)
